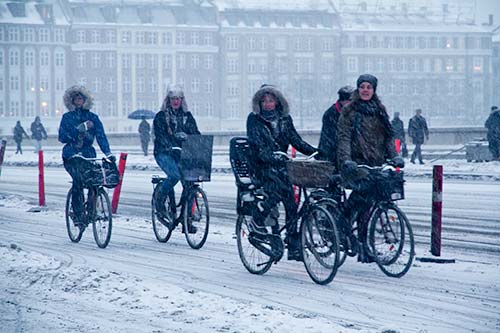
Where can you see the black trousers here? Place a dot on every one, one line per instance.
(76, 168)
(417, 153)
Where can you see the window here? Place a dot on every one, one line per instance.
(195, 38)
(153, 61)
(95, 36)
(327, 45)
(126, 37)
(282, 64)
(422, 42)
(438, 65)
(80, 59)
(97, 84)
(29, 58)
(233, 89)
(195, 107)
(410, 42)
(141, 61)
(2, 36)
(151, 38)
(153, 85)
(59, 59)
(2, 110)
(110, 36)
(209, 86)
(207, 38)
(180, 38)
(208, 61)
(110, 60)
(232, 66)
(232, 42)
(262, 44)
(43, 35)
(195, 61)
(96, 60)
(13, 34)
(1, 83)
(195, 85)
(477, 64)
(449, 65)
(460, 65)
(60, 83)
(29, 35)
(167, 38)
(111, 84)
(44, 58)
(308, 66)
(14, 108)
(209, 109)
(140, 85)
(1, 57)
(234, 111)
(126, 84)
(140, 37)
(44, 83)
(126, 60)
(14, 58)
(252, 66)
(280, 43)
(80, 36)
(110, 108)
(59, 36)
(252, 42)
(30, 108)
(352, 64)
(380, 65)
(181, 61)
(167, 61)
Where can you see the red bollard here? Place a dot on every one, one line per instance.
(41, 183)
(397, 144)
(116, 193)
(437, 205)
(2, 153)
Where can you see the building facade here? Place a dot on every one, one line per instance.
(221, 51)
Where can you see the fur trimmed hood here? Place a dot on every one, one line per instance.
(174, 91)
(74, 90)
(282, 104)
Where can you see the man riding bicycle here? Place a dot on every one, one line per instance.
(77, 130)
(270, 129)
(172, 124)
(365, 137)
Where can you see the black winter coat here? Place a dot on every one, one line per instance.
(38, 131)
(417, 129)
(178, 121)
(493, 126)
(398, 129)
(327, 146)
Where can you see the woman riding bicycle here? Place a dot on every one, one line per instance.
(365, 137)
(270, 129)
(77, 130)
(172, 124)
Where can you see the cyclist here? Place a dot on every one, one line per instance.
(366, 137)
(270, 129)
(171, 125)
(327, 146)
(77, 130)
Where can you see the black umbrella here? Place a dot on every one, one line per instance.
(139, 114)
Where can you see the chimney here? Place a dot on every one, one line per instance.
(17, 9)
(445, 8)
(46, 12)
(490, 19)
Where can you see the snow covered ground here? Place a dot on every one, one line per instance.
(48, 284)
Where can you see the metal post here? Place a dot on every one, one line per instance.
(116, 193)
(2, 153)
(437, 205)
(41, 183)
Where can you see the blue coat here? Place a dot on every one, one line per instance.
(77, 142)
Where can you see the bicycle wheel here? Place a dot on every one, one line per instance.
(196, 218)
(320, 245)
(254, 260)
(333, 208)
(390, 240)
(102, 221)
(162, 231)
(74, 232)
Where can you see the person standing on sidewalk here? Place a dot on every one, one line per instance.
(399, 133)
(417, 130)
(18, 137)
(38, 133)
(144, 132)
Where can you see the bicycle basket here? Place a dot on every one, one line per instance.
(390, 186)
(196, 158)
(105, 174)
(310, 173)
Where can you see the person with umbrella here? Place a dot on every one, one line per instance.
(171, 126)
(144, 132)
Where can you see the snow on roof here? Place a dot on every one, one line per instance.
(288, 5)
(31, 14)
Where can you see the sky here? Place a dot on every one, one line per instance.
(486, 7)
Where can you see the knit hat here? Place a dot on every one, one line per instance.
(367, 78)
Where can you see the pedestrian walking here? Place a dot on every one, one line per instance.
(398, 128)
(38, 133)
(417, 130)
(493, 136)
(18, 137)
(145, 134)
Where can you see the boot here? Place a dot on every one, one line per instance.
(294, 247)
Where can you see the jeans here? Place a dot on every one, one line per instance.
(168, 164)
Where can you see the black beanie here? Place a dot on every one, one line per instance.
(367, 78)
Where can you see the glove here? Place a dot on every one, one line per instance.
(349, 168)
(181, 136)
(280, 157)
(82, 127)
(398, 162)
(110, 157)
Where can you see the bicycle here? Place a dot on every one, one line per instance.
(97, 207)
(384, 232)
(193, 202)
(258, 250)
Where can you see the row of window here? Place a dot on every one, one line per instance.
(279, 43)
(29, 84)
(144, 37)
(32, 35)
(408, 64)
(14, 58)
(408, 42)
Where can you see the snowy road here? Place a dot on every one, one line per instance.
(138, 284)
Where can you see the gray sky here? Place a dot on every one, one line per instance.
(485, 7)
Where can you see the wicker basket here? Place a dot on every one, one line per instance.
(310, 173)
